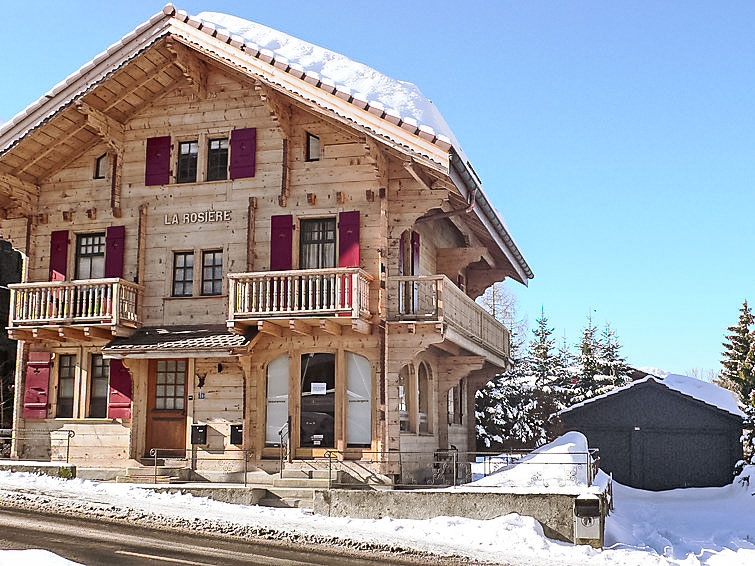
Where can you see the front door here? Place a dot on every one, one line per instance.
(318, 401)
(166, 408)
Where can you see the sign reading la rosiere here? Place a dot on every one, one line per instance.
(201, 217)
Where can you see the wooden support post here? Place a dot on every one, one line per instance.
(250, 234)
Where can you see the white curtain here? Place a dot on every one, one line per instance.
(359, 400)
(277, 398)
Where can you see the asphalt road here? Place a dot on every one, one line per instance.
(92, 543)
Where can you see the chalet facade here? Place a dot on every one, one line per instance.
(216, 235)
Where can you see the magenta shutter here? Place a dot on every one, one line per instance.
(119, 400)
(243, 149)
(37, 385)
(348, 239)
(415, 253)
(58, 255)
(157, 166)
(114, 251)
(281, 242)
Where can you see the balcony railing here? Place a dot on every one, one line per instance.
(90, 301)
(434, 298)
(333, 292)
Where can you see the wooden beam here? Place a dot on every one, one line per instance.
(78, 126)
(150, 77)
(24, 195)
(330, 326)
(109, 129)
(380, 160)
(479, 279)
(450, 261)
(20, 334)
(237, 327)
(70, 158)
(269, 328)
(192, 68)
(102, 332)
(298, 326)
(361, 326)
(250, 234)
(46, 333)
(74, 333)
(421, 177)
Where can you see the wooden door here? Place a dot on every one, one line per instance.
(166, 408)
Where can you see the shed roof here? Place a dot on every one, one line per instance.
(181, 339)
(708, 393)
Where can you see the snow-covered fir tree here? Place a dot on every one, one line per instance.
(610, 361)
(738, 373)
(587, 378)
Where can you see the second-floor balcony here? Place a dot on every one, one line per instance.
(300, 299)
(74, 310)
(435, 299)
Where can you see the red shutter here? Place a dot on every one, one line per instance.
(37, 385)
(281, 242)
(58, 255)
(157, 167)
(415, 253)
(119, 400)
(114, 251)
(348, 239)
(243, 149)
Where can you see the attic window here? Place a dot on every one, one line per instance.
(313, 148)
(100, 166)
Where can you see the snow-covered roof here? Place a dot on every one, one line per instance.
(708, 393)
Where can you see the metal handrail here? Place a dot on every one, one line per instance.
(284, 435)
(24, 434)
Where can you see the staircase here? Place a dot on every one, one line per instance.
(167, 473)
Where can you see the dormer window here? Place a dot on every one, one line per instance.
(100, 166)
(313, 148)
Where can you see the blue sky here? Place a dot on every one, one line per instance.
(617, 138)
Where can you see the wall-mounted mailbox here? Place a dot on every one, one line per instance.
(199, 434)
(237, 435)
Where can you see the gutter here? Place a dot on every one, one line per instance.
(468, 185)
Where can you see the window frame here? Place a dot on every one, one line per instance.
(309, 154)
(303, 223)
(179, 143)
(184, 282)
(175, 372)
(209, 155)
(90, 385)
(78, 255)
(213, 279)
(101, 160)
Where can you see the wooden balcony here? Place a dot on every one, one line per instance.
(434, 299)
(74, 310)
(300, 301)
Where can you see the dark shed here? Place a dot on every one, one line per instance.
(662, 433)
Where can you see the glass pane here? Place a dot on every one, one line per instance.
(318, 386)
(169, 403)
(277, 398)
(359, 400)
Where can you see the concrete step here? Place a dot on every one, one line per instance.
(309, 473)
(310, 483)
(140, 478)
(171, 471)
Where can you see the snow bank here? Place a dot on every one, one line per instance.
(561, 463)
(686, 527)
(33, 556)
(400, 97)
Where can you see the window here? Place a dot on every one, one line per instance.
(318, 243)
(170, 394)
(313, 148)
(423, 400)
(454, 405)
(404, 400)
(183, 274)
(99, 382)
(212, 272)
(187, 162)
(217, 159)
(90, 256)
(100, 166)
(66, 384)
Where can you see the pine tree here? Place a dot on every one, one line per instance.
(587, 379)
(738, 373)
(543, 361)
(611, 363)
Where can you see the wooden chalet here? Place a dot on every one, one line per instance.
(216, 235)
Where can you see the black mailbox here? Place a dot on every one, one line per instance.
(237, 434)
(199, 434)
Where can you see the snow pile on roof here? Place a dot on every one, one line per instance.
(400, 98)
(708, 393)
(32, 556)
(561, 463)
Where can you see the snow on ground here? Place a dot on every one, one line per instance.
(690, 527)
(33, 556)
(561, 464)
